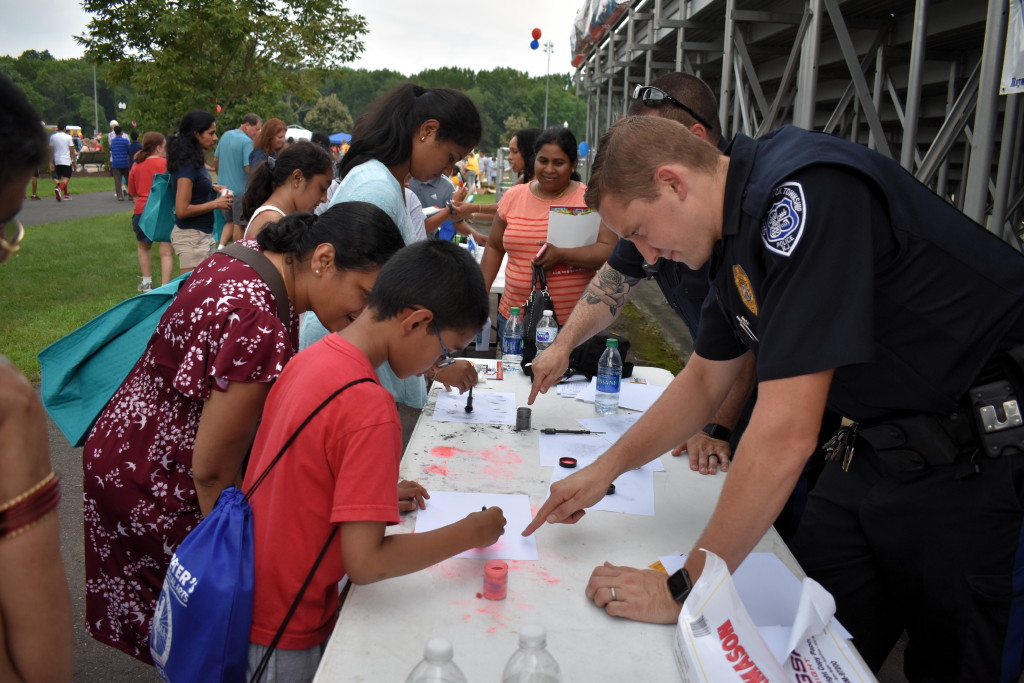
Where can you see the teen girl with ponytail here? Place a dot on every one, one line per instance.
(414, 131)
(296, 180)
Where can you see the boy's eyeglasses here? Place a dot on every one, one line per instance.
(12, 245)
(446, 356)
(655, 97)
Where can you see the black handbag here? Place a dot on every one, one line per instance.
(584, 358)
(533, 311)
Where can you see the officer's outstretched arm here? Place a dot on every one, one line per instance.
(781, 436)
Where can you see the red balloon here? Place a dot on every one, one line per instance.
(536, 34)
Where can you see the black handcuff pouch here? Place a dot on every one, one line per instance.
(908, 443)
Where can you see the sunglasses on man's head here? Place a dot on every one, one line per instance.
(655, 97)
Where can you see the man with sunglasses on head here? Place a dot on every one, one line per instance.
(687, 100)
(858, 288)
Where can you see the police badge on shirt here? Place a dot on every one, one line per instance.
(783, 223)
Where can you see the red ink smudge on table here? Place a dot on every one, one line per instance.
(500, 462)
(436, 469)
(446, 451)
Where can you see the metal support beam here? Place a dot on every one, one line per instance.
(951, 129)
(725, 94)
(787, 76)
(752, 80)
(876, 96)
(807, 81)
(913, 104)
(865, 64)
(1005, 170)
(859, 83)
(976, 189)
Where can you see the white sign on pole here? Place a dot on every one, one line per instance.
(1013, 62)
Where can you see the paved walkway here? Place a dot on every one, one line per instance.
(49, 210)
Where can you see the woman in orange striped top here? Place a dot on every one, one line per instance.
(521, 231)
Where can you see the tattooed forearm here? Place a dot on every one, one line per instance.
(610, 288)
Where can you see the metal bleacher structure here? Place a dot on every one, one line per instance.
(917, 80)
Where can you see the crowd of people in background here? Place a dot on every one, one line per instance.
(438, 206)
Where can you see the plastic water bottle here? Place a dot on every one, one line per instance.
(547, 330)
(512, 342)
(609, 376)
(437, 665)
(532, 663)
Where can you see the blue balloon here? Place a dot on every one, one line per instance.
(584, 149)
(534, 44)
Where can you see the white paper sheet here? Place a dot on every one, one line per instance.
(584, 447)
(572, 227)
(572, 386)
(634, 492)
(489, 407)
(448, 507)
(632, 396)
(613, 427)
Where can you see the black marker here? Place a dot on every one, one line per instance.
(552, 430)
(469, 401)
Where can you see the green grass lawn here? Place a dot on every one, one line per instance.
(65, 274)
(80, 184)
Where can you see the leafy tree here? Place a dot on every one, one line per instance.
(243, 55)
(329, 115)
(358, 88)
(513, 124)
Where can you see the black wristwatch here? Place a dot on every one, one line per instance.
(717, 432)
(679, 585)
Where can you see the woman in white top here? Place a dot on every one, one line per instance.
(297, 180)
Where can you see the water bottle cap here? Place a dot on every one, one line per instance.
(612, 344)
(438, 651)
(514, 310)
(547, 312)
(532, 634)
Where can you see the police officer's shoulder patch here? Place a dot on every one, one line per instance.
(783, 223)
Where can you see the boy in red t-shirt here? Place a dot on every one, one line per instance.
(343, 468)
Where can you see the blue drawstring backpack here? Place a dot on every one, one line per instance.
(200, 629)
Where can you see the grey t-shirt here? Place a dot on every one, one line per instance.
(437, 192)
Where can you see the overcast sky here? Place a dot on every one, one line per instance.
(405, 35)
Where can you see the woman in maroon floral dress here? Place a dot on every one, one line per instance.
(175, 434)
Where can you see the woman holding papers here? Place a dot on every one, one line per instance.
(521, 230)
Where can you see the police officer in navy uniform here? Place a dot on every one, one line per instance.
(688, 100)
(857, 287)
